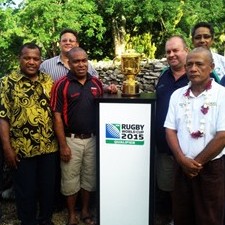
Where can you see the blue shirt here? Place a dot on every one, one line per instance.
(222, 81)
(164, 89)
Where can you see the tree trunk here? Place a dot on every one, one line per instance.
(118, 30)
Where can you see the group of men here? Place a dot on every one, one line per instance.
(48, 108)
(190, 130)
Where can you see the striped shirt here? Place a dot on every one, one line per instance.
(56, 68)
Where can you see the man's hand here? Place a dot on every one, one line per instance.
(112, 89)
(190, 167)
(65, 154)
(11, 157)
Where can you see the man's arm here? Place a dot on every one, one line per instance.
(65, 151)
(9, 153)
(212, 149)
(190, 166)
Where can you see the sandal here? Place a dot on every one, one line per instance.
(88, 220)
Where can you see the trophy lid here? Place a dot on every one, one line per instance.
(130, 53)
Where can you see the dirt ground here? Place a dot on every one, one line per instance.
(9, 215)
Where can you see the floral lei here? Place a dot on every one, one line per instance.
(204, 109)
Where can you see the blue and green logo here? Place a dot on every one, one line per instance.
(128, 134)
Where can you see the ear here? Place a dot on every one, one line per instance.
(212, 66)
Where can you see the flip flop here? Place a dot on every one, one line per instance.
(88, 220)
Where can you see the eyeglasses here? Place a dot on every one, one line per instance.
(68, 40)
(204, 36)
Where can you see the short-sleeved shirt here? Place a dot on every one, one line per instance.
(75, 101)
(56, 68)
(219, 62)
(26, 105)
(164, 89)
(176, 118)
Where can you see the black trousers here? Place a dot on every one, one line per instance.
(1, 167)
(200, 200)
(34, 183)
(1, 174)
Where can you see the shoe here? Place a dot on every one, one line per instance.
(170, 223)
(8, 194)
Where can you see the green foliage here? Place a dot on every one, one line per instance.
(142, 44)
(143, 24)
(43, 20)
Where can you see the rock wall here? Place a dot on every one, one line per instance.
(147, 77)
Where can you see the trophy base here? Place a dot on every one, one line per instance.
(130, 95)
(130, 90)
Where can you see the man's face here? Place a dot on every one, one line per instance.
(30, 61)
(202, 38)
(67, 42)
(78, 63)
(175, 53)
(198, 68)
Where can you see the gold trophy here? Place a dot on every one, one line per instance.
(130, 67)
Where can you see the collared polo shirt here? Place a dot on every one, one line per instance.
(75, 102)
(164, 89)
(25, 104)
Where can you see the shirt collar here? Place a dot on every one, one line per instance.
(19, 76)
(71, 76)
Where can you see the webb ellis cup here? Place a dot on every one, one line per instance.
(130, 67)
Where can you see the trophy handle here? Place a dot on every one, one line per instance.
(144, 61)
(117, 61)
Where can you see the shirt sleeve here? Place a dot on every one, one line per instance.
(170, 121)
(56, 100)
(92, 70)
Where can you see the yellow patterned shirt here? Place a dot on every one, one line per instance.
(25, 104)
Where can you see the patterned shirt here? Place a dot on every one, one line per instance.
(25, 104)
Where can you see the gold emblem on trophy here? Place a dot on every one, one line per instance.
(130, 67)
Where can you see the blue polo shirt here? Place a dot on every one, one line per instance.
(75, 101)
(164, 89)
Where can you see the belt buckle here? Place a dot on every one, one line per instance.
(82, 136)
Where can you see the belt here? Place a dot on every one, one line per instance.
(80, 136)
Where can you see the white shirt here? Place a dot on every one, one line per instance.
(214, 118)
(219, 62)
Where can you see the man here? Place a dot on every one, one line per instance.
(74, 119)
(26, 131)
(203, 36)
(170, 80)
(58, 66)
(195, 131)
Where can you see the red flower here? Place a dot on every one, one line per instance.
(204, 109)
(197, 134)
(187, 93)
